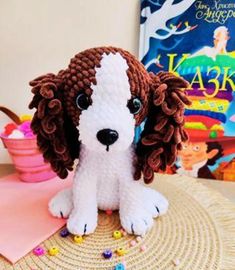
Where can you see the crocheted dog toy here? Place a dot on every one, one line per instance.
(88, 112)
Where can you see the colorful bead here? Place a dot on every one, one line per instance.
(120, 266)
(38, 251)
(78, 239)
(121, 251)
(107, 254)
(138, 239)
(124, 233)
(133, 243)
(53, 251)
(176, 262)
(109, 212)
(117, 234)
(123, 262)
(143, 248)
(64, 233)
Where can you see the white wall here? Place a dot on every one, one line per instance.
(37, 37)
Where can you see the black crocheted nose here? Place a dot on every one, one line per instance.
(107, 136)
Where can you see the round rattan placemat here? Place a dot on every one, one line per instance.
(198, 231)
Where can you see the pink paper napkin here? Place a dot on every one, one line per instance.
(25, 221)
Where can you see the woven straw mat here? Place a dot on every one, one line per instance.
(197, 233)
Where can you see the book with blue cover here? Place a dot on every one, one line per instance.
(195, 39)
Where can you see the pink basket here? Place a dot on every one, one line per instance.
(28, 161)
(25, 155)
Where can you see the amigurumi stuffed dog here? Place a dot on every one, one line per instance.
(89, 112)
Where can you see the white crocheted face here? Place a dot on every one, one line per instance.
(107, 124)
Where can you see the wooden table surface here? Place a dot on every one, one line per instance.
(225, 187)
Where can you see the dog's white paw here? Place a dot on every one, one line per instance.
(155, 203)
(82, 224)
(137, 223)
(61, 205)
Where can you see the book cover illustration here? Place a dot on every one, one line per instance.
(196, 40)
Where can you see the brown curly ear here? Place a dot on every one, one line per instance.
(163, 131)
(57, 136)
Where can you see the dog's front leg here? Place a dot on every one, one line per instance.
(133, 215)
(83, 218)
(139, 205)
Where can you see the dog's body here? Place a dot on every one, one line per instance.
(104, 179)
(109, 185)
(115, 95)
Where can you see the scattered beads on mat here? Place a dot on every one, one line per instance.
(78, 239)
(176, 262)
(109, 212)
(138, 239)
(64, 233)
(53, 251)
(117, 234)
(120, 266)
(124, 234)
(123, 262)
(133, 243)
(107, 254)
(39, 251)
(143, 248)
(121, 251)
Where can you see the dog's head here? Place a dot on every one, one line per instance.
(98, 100)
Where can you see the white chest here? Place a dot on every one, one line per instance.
(109, 170)
(108, 184)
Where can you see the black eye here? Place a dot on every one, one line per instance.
(83, 101)
(134, 105)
